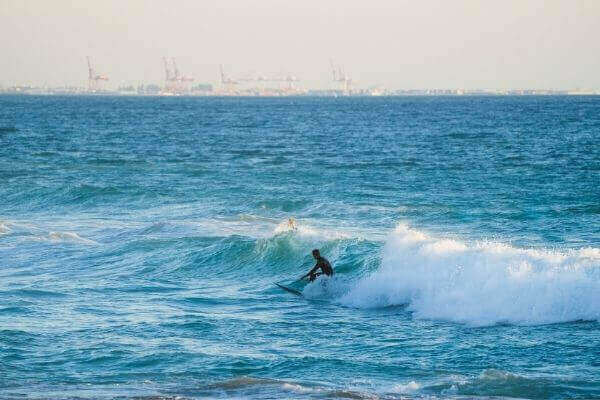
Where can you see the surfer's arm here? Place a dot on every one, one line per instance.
(312, 271)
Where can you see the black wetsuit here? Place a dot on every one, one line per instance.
(325, 269)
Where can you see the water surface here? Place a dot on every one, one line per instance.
(140, 239)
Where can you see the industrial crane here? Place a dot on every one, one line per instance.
(94, 79)
(174, 82)
(168, 77)
(179, 78)
(340, 76)
(227, 81)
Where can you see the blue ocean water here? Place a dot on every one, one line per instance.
(140, 239)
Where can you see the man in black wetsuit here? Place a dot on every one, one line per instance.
(321, 263)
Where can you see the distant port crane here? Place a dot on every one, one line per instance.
(169, 80)
(226, 81)
(178, 77)
(94, 79)
(340, 76)
(174, 81)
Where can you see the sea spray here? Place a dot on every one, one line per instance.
(481, 283)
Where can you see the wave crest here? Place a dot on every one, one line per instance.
(482, 283)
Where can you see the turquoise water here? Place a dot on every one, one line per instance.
(140, 239)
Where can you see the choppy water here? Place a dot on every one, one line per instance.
(140, 239)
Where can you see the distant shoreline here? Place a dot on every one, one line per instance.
(316, 95)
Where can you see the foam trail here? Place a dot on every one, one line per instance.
(69, 237)
(3, 228)
(482, 283)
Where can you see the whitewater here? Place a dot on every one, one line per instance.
(141, 238)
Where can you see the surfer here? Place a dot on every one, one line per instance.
(291, 223)
(322, 263)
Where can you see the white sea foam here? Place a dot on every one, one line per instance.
(326, 231)
(481, 283)
(408, 388)
(68, 237)
(294, 387)
(3, 228)
(30, 231)
(324, 287)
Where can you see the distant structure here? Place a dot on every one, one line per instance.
(290, 80)
(175, 83)
(258, 84)
(182, 80)
(340, 76)
(170, 82)
(227, 83)
(94, 79)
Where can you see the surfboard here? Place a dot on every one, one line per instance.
(287, 289)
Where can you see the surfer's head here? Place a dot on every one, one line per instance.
(316, 253)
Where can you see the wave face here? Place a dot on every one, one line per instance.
(140, 240)
(481, 283)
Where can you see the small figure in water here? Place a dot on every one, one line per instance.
(292, 224)
(321, 263)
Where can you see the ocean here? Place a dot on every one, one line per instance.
(141, 237)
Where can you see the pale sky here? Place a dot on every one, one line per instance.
(398, 44)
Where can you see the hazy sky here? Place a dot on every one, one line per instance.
(398, 44)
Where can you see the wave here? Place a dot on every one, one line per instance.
(276, 388)
(69, 237)
(493, 382)
(408, 388)
(489, 384)
(30, 231)
(34, 293)
(8, 129)
(482, 283)
(476, 283)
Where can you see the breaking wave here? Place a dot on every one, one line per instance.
(481, 283)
